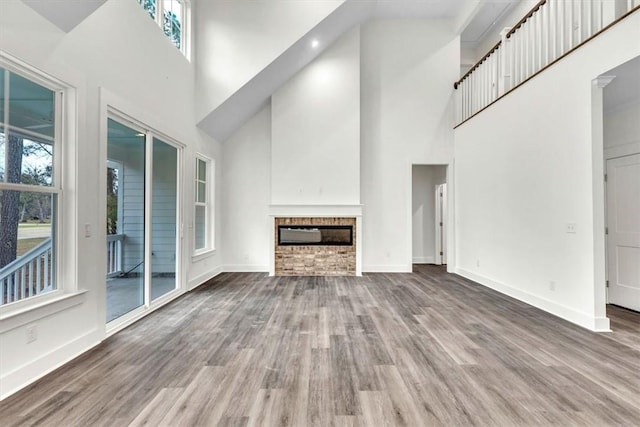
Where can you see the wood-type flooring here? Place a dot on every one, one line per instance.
(421, 349)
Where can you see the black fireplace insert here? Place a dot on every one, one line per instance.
(315, 235)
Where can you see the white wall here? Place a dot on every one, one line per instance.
(247, 194)
(407, 118)
(97, 60)
(622, 126)
(236, 39)
(527, 166)
(425, 178)
(315, 149)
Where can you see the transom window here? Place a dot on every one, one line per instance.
(30, 187)
(171, 16)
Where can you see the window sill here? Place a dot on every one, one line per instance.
(14, 318)
(205, 253)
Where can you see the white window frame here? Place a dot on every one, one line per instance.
(185, 22)
(208, 204)
(66, 293)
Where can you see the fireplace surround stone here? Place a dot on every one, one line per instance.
(315, 260)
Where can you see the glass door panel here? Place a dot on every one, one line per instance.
(125, 219)
(164, 218)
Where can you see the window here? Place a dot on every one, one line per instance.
(202, 224)
(30, 184)
(171, 16)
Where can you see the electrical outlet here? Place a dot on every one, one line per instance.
(552, 285)
(571, 227)
(478, 262)
(31, 333)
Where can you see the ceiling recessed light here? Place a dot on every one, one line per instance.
(315, 43)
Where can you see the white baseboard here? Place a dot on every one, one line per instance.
(24, 375)
(424, 260)
(387, 268)
(562, 311)
(245, 268)
(204, 278)
(602, 324)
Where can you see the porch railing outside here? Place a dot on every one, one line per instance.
(114, 254)
(31, 274)
(549, 31)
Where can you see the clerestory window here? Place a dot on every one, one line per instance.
(171, 16)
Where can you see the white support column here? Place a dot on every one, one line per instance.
(572, 26)
(506, 62)
(597, 158)
(560, 28)
(581, 23)
(590, 14)
(459, 99)
(526, 47)
(609, 12)
(539, 39)
(521, 54)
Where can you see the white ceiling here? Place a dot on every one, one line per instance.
(248, 100)
(253, 96)
(418, 8)
(491, 14)
(625, 87)
(65, 14)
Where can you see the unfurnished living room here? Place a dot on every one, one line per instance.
(319, 213)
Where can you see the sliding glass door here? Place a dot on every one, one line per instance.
(142, 218)
(125, 219)
(164, 218)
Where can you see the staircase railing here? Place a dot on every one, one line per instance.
(550, 31)
(31, 274)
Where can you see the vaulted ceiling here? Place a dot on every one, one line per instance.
(65, 14)
(225, 119)
(473, 17)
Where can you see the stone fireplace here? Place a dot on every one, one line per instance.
(316, 240)
(314, 247)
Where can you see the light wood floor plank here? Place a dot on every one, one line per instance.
(421, 349)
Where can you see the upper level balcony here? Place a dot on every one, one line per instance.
(547, 33)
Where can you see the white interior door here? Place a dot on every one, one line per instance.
(443, 229)
(623, 239)
(441, 224)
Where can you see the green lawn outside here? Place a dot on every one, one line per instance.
(33, 224)
(25, 245)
